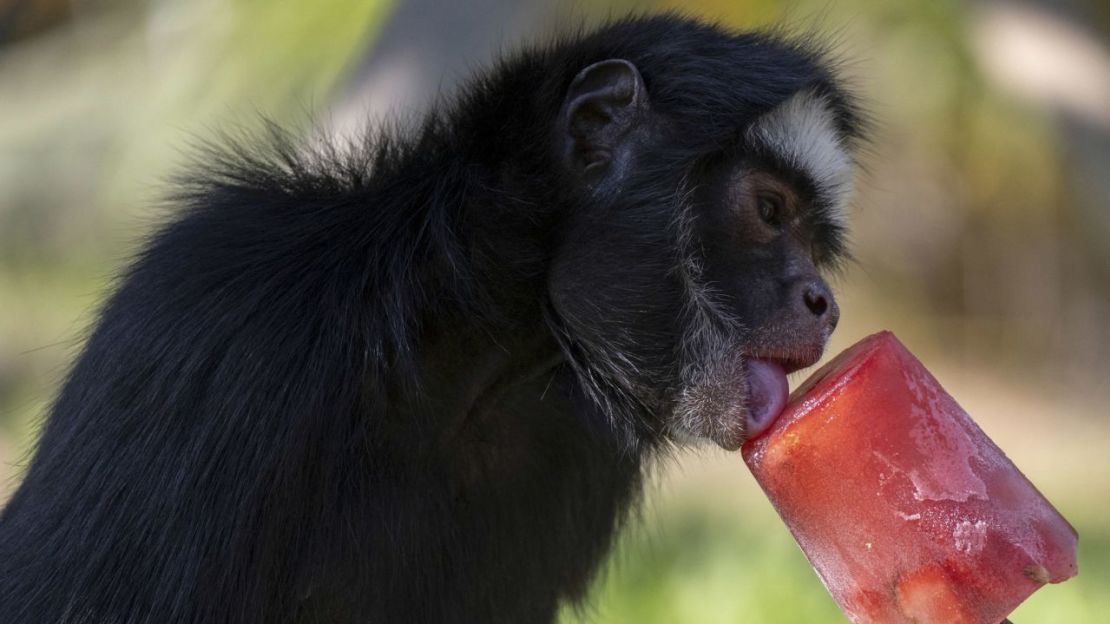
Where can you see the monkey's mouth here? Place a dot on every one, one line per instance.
(735, 401)
(766, 397)
(739, 396)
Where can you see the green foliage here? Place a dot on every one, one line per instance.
(709, 565)
(704, 566)
(93, 118)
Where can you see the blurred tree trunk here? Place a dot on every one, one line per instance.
(428, 47)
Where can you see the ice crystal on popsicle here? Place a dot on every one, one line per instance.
(907, 511)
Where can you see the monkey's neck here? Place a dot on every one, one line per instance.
(469, 372)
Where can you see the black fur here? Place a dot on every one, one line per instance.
(364, 385)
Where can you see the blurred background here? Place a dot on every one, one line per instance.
(982, 225)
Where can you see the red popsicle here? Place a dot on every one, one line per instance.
(907, 511)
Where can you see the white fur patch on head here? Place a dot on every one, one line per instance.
(802, 132)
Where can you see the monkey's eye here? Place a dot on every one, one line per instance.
(770, 209)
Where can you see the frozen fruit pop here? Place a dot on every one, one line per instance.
(907, 511)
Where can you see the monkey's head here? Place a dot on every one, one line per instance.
(709, 179)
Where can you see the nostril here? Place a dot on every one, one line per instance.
(816, 301)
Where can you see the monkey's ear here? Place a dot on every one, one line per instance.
(603, 105)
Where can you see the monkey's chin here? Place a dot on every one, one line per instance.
(766, 396)
(733, 404)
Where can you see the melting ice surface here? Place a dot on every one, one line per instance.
(943, 469)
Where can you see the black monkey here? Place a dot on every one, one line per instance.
(417, 381)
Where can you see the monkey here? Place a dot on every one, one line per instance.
(418, 378)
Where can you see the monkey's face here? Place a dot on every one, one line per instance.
(687, 284)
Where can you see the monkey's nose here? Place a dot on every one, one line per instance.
(820, 302)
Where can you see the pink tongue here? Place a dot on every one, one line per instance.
(767, 392)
